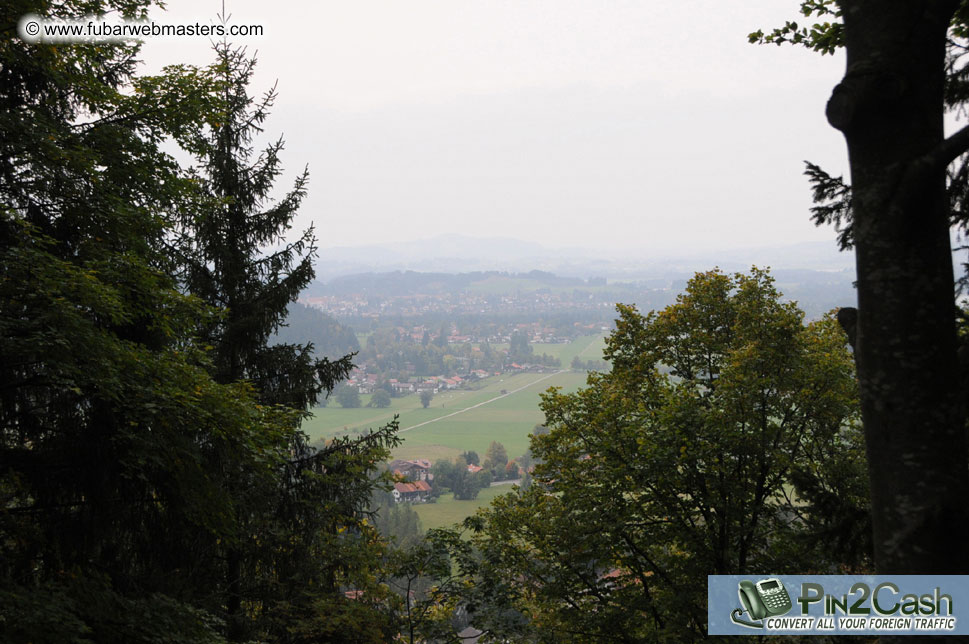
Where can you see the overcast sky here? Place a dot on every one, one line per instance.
(608, 124)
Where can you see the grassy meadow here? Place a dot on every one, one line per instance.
(446, 511)
(456, 421)
(462, 420)
(587, 347)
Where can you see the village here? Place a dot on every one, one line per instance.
(415, 479)
(417, 358)
(462, 303)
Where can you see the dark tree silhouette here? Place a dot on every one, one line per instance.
(889, 106)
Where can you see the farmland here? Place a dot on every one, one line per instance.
(456, 421)
(464, 419)
(446, 511)
(586, 347)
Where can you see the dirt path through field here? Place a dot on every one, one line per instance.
(490, 400)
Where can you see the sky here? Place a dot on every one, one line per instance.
(616, 125)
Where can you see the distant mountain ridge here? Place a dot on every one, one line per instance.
(402, 283)
(816, 292)
(454, 254)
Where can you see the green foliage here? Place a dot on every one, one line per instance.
(426, 397)
(225, 246)
(452, 602)
(234, 257)
(824, 37)
(464, 485)
(154, 484)
(589, 365)
(380, 399)
(519, 350)
(348, 396)
(427, 579)
(496, 459)
(398, 522)
(391, 353)
(308, 325)
(443, 471)
(456, 478)
(320, 542)
(85, 610)
(832, 199)
(739, 455)
(108, 418)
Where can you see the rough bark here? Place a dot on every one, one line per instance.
(889, 107)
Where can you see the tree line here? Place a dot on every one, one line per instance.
(154, 481)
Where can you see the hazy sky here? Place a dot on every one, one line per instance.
(598, 123)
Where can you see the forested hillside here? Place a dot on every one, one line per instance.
(305, 324)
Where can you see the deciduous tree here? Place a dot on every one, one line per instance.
(519, 349)
(380, 399)
(496, 458)
(106, 409)
(691, 457)
(348, 396)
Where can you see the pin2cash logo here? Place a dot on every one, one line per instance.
(765, 598)
(765, 604)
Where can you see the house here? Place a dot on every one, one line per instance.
(474, 469)
(416, 470)
(417, 492)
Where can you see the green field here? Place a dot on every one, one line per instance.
(446, 511)
(462, 420)
(587, 347)
(456, 421)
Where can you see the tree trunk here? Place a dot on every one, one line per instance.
(235, 620)
(889, 107)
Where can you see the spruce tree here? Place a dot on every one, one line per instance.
(238, 258)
